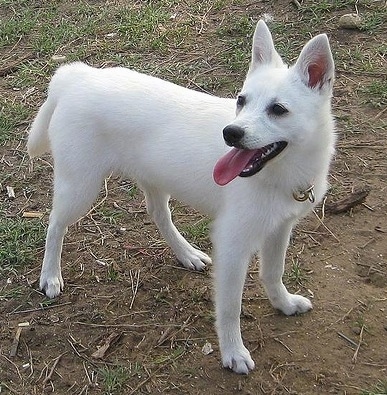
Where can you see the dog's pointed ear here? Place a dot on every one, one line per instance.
(315, 64)
(263, 51)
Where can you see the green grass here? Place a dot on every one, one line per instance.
(375, 93)
(198, 232)
(113, 379)
(12, 114)
(170, 357)
(110, 215)
(17, 26)
(296, 274)
(112, 274)
(133, 191)
(19, 240)
(13, 293)
(373, 20)
(379, 389)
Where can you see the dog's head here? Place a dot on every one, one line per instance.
(278, 107)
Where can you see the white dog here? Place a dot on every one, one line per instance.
(169, 139)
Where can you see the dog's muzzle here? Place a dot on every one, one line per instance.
(233, 135)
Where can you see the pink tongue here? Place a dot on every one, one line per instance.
(231, 165)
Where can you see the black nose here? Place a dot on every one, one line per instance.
(232, 135)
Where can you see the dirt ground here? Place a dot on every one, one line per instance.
(124, 289)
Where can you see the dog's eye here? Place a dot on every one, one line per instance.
(241, 101)
(278, 109)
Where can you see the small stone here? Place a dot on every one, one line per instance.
(350, 21)
(58, 58)
(207, 349)
(356, 330)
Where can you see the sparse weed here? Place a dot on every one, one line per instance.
(17, 26)
(296, 274)
(198, 233)
(47, 302)
(379, 389)
(176, 353)
(13, 293)
(376, 93)
(373, 20)
(133, 191)
(112, 273)
(111, 216)
(19, 240)
(113, 379)
(12, 114)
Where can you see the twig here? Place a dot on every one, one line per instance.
(31, 362)
(297, 4)
(84, 389)
(135, 390)
(87, 374)
(283, 344)
(380, 113)
(90, 361)
(354, 358)
(5, 385)
(15, 343)
(15, 366)
(56, 361)
(40, 308)
(124, 325)
(13, 66)
(168, 333)
(134, 286)
(101, 351)
(347, 203)
(322, 223)
(345, 315)
(347, 339)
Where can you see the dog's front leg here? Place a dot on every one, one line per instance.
(231, 263)
(273, 253)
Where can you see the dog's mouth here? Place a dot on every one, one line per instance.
(245, 163)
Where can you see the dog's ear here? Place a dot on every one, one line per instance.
(315, 64)
(263, 52)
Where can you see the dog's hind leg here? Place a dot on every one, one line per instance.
(271, 271)
(158, 209)
(74, 193)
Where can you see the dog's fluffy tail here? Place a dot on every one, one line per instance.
(38, 142)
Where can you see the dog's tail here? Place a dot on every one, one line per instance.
(38, 141)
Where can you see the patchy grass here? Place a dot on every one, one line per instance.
(19, 240)
(379, 389)
(12, 115)
(296, 274)
(375, 93)
(113, 379)
(10, 294)
(198, 232)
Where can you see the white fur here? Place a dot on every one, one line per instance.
(168, 138)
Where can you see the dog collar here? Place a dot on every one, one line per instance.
(305, 194)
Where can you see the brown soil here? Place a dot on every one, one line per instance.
(124, 286)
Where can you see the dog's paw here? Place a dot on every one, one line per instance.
(238, 361)
(51, 285)
(194, 259)
(294, 304)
